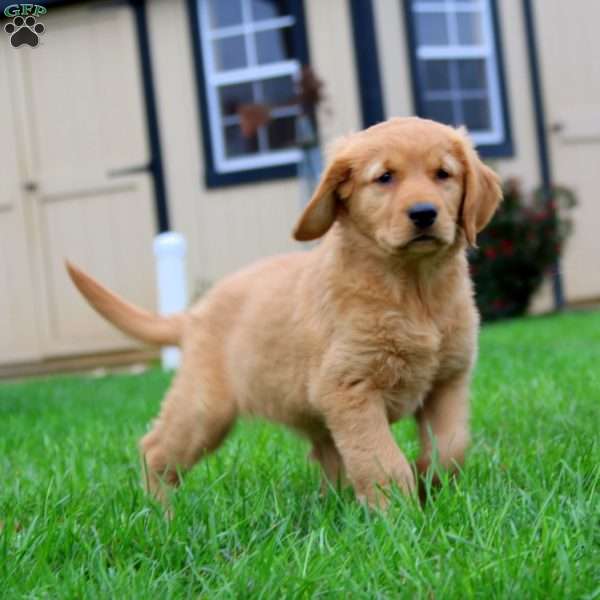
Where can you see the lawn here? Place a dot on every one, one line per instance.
(522, 522)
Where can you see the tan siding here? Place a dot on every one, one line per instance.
(393, 58)
(332, 53)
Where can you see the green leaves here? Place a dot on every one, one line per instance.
(523, 241)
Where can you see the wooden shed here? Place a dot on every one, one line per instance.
(117, 125)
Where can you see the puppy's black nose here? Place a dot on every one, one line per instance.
(422, 214)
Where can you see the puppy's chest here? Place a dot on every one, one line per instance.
(405, 358)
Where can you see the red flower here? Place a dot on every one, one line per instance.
(490, 253)
(507, 247)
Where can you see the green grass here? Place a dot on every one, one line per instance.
(523, 521)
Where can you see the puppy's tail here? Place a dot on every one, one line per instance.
(131, 320)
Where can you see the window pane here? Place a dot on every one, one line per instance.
(432, 29)
(267, 9)
(469, 28)
(282, 133)
(224, 13)
(472, 75)
(457, 76)
(477, 114)
(273, 45)
(238, 145)
(440, 110)
(231, 96)
(278, 91)
(436, 75)
(230, 53)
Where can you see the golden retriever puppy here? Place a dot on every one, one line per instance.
(374, 324)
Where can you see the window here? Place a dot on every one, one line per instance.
(457, 68)
(249, 52)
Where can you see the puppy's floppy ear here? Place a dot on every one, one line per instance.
(320, 213)
(482, 193)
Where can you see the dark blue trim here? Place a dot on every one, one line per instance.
(211, 177)
(538, 102)
(367, 62)
(411, 45)
(540, 130)
(156, 162)
(300, 41)
(504, 149)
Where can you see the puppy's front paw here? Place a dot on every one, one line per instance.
(377, 494)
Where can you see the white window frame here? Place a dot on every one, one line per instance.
(454, 51)
(255, 72)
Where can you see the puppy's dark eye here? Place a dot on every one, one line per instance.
(442, 174)
(385, 178)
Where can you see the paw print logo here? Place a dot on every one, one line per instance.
(24, 31)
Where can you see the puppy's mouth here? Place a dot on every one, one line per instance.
(424, 237)
(422, 242)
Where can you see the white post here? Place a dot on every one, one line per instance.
(170, 250)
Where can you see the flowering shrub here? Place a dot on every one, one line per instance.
(520, 245)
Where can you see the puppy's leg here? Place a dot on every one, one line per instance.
(327, 455)
(359, 427)
(196, 415)
(444, 424)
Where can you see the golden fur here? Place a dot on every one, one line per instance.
(337, 343)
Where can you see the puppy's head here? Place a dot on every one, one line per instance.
(409, 184)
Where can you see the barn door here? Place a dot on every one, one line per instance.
(569, 47)
(18, 326)
(85, 152)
